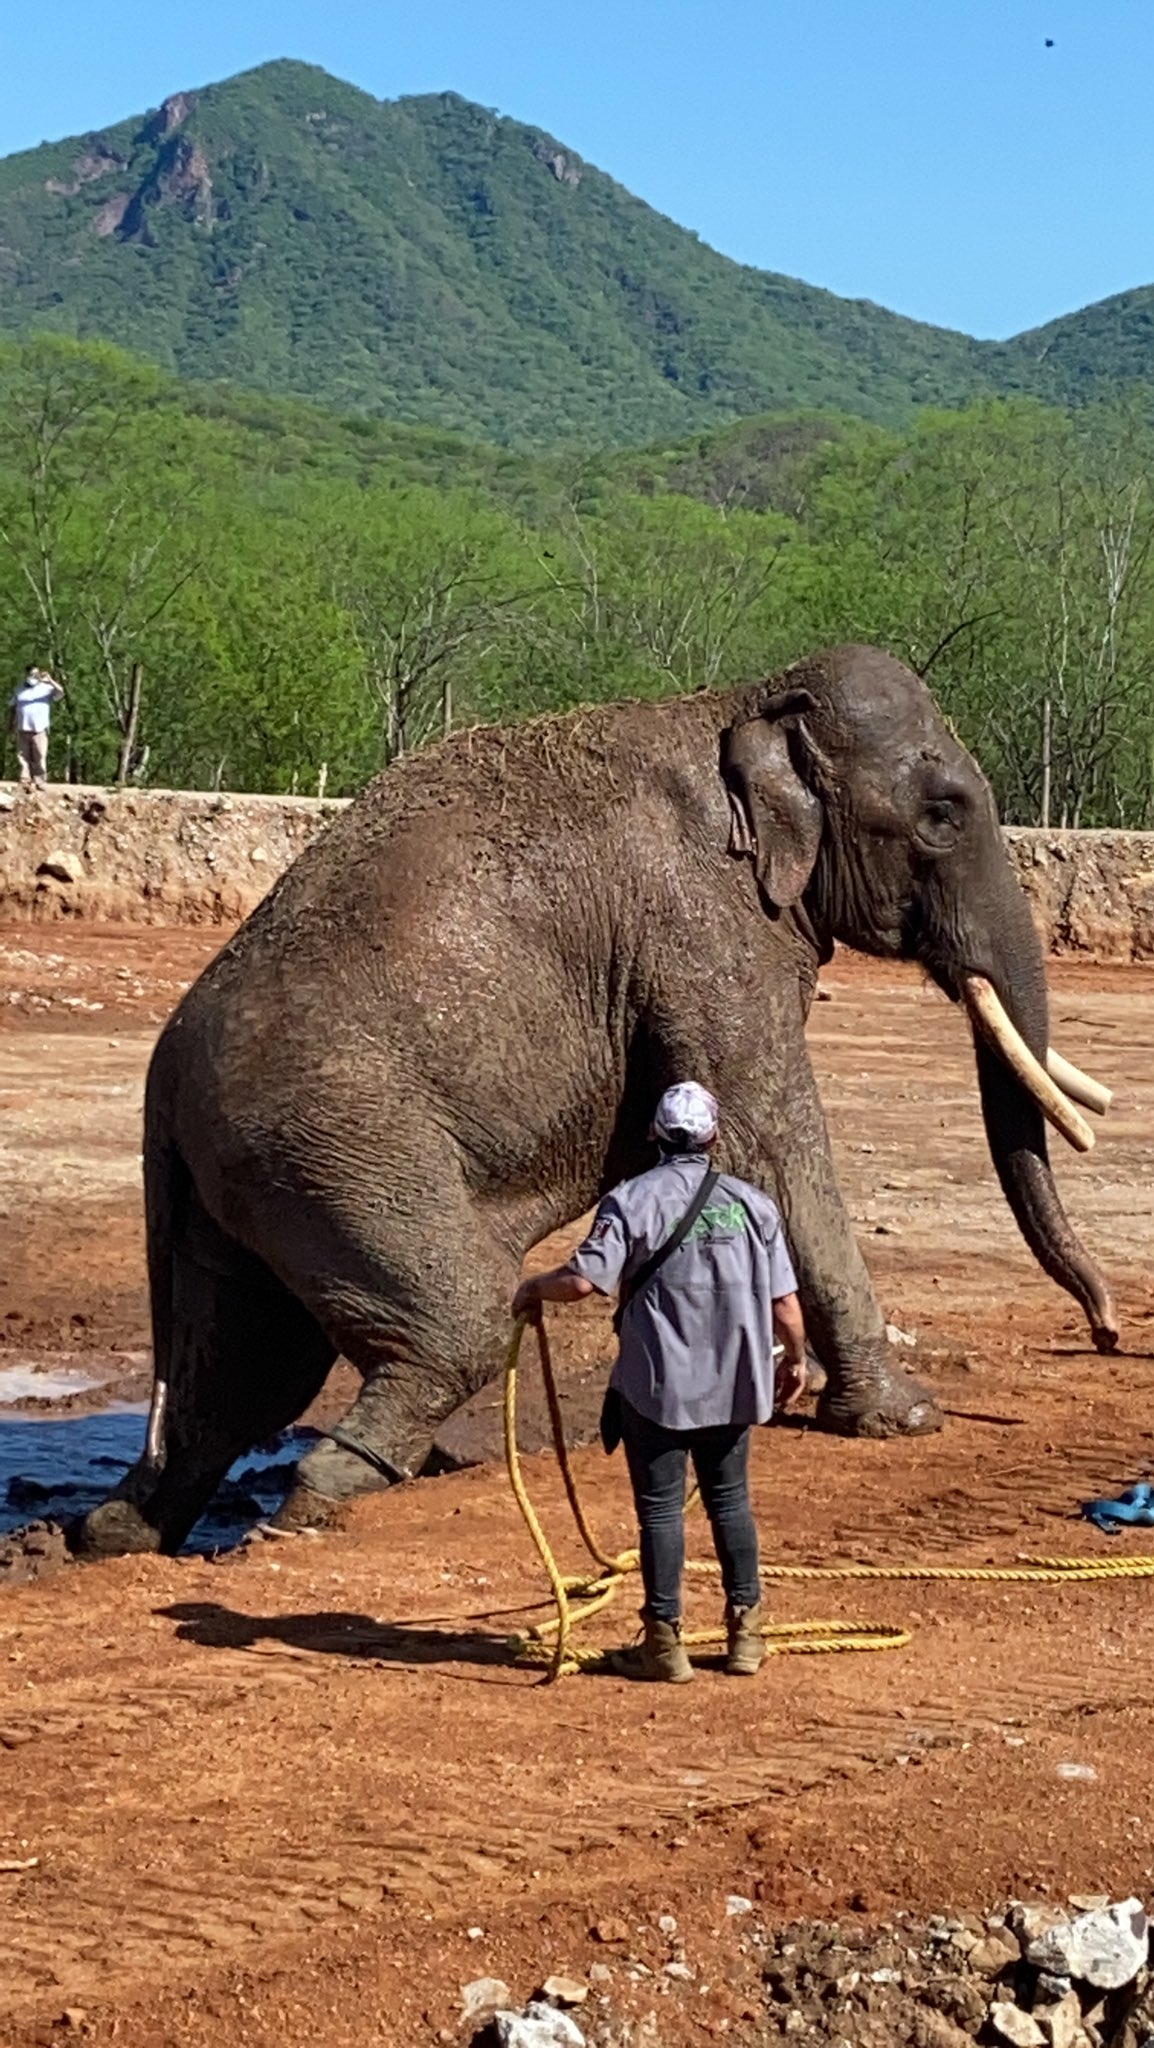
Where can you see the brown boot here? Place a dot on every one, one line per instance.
(661, 1657)
(746, 1642)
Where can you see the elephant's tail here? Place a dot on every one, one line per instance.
(167, 1183)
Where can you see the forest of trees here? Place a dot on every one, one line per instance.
(245, 593)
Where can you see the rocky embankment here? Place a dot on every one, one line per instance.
(1042, 1976)
(1092, 892)
(163, 857)
(170, 857)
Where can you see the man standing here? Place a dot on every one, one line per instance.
(30, 713)
(705, 1284)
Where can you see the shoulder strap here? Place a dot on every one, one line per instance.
(677, 1236)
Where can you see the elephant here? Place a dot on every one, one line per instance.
(442, 1034)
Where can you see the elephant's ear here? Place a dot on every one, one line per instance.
(775, 819)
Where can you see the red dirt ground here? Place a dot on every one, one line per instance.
(268, 1798)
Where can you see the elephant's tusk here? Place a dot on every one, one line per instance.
(154, 1436)
(989, 1016)
(1078, 1086)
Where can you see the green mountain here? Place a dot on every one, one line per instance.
(1102, 349)
(425, 259)
(429, 261)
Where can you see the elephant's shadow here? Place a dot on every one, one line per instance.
(339, 1635)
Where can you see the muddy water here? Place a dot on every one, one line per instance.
(55, 1468)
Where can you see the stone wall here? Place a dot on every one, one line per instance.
(177, 857)
(147, 856)
(1092, 893)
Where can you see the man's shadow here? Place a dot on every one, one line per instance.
(340, 1635)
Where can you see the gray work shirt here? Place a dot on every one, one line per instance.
(697, 1342)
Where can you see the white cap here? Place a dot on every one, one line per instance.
(688, 1110)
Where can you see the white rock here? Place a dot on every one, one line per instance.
(1106, 1948)
(1016, 2026)
(667, 1924)
(735, 1905)
(539, 2026)
(565, 1990)
(62, 867)
(1051, 1990)
(681, 1971)
(483, 1997)
(896, 1336)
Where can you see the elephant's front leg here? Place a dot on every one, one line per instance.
(867, 1393)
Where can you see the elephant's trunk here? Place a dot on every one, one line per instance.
(1016, 1089)
(1017, 1141)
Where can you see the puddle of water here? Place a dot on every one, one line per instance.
(51, 1471)
(29, 1383)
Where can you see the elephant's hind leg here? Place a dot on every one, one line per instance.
(246, 1360)
(423, 1314)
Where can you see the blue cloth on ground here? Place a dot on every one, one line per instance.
(1135, 1506)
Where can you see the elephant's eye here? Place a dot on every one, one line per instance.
(941, 822)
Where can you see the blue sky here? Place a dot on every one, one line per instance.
(933, 155)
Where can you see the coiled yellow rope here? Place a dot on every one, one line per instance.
(577, 1599)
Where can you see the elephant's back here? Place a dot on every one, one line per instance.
(482, 803)
(458, 904)
(491, 817)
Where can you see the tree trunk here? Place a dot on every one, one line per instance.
(128, 736)
(1047, 758)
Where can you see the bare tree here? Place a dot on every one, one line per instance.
(91, 542)
(120, 601)
(414, 630)
(671, 593)
(56, 435)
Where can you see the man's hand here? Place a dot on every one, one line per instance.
(527, 1301)
(562, 1284)
(789, 1329)
(790, 1381)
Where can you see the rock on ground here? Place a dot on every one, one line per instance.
(1106, 1948)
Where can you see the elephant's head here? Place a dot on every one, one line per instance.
(864, 815)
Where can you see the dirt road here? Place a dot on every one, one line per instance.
(271, 1799)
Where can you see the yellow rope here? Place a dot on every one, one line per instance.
(578, 1598)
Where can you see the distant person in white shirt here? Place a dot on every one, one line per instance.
(30, 713)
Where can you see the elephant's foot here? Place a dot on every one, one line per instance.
(304, 1508)
(335, 1471)
(113, 1529)
(885, 1403)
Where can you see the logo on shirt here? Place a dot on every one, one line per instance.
(600, 1229)
(723, 1216)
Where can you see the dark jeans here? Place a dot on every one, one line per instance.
(657, 1466)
